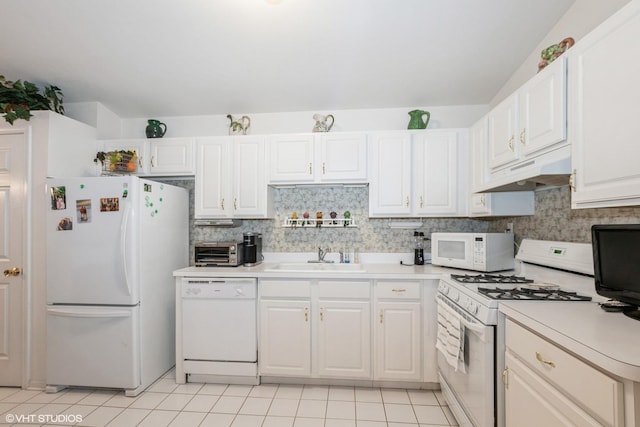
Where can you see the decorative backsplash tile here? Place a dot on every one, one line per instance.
(553, 220)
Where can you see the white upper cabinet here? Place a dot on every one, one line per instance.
(230, 178)
(417, 174)
(604, 97)
(390, 181)
(159, 156)
(439, 173)
(318, 158)
(171, 156)
(531, 120)
(491, 204)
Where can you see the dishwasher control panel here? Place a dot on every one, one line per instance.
(219, 288)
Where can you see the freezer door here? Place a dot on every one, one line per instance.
(93, 346)
(92, 241)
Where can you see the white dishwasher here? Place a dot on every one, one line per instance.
(217, 319)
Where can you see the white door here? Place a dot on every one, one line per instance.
(344, 339)
(212, 178)
(13, 149)
(285, 338)
(249, 183)
(390, 181)
(171, 156)
(543, 109)
(435, 173)
(344, 157)
(398, 341)
(503, 122)
(291, 158)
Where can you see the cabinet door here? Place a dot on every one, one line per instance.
(343, 157)
(138, 145)
(285, 338)
(171, 157)
(397, 351)
(390, 179)
(291, 158)
(530, 401)
(542, 111)
(344, 339)
(435, 173)
(249, 178)
(604, 91)
(478, 154)
(502, 133)
(212, 181)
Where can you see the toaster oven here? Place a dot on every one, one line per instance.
(218, 254)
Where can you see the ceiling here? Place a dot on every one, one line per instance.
(144, 58)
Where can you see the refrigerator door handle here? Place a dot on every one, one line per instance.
(123, 245)
(91, 313)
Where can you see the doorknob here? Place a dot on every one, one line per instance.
(15, 271)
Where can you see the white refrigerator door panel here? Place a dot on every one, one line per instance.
(93, 346)
(92, 241)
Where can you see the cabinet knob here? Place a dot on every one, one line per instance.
(235, 204)
(321, 314)
(15, 271)
(421, 202)
(505, 377)
(523, 136)
(324, 168)
(511, 142)
(381, 315)
(152, 162)
(407, 202)
(306, 314)
(310, 169)
(222, 204)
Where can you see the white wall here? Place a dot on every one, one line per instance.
(579, 20)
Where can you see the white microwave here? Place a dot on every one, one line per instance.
(473, 251)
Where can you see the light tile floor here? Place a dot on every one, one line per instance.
(166, 403)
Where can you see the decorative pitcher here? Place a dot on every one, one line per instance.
(321, 123)
(240, 126)
(417, 121)
(155, 129)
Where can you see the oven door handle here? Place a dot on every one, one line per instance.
(475, 327)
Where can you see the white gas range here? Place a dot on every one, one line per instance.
(471, 331)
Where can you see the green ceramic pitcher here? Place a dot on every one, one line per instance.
(155, 129)
(417, 121)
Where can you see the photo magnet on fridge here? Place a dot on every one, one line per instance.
(58, 198)
(83, 209)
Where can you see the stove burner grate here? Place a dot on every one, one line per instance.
(489, 278)
(533, 294)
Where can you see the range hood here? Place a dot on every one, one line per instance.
(553, 168)
(213, 222)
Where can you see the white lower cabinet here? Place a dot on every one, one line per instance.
(546, 386)
(285, 337)
(397, 331)
(343, 339)
(320, 328)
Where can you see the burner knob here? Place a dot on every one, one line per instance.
(472, 307)
(444, 289)
(455, 296)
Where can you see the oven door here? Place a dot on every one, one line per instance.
(470, 393)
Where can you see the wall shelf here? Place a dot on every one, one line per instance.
(319, 223)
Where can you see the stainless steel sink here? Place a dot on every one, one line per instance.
(305, 267)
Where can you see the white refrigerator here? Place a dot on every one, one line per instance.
(112, 246)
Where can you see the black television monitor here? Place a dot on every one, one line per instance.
(616, 262)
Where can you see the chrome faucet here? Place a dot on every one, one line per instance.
(322, 253)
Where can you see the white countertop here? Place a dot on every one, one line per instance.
(607, 340)
(370, 271)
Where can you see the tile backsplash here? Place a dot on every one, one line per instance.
(553, 220)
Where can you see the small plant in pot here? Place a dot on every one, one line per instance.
(18, 98)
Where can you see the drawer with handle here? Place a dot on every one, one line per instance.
(396, 289)
(592, 389)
